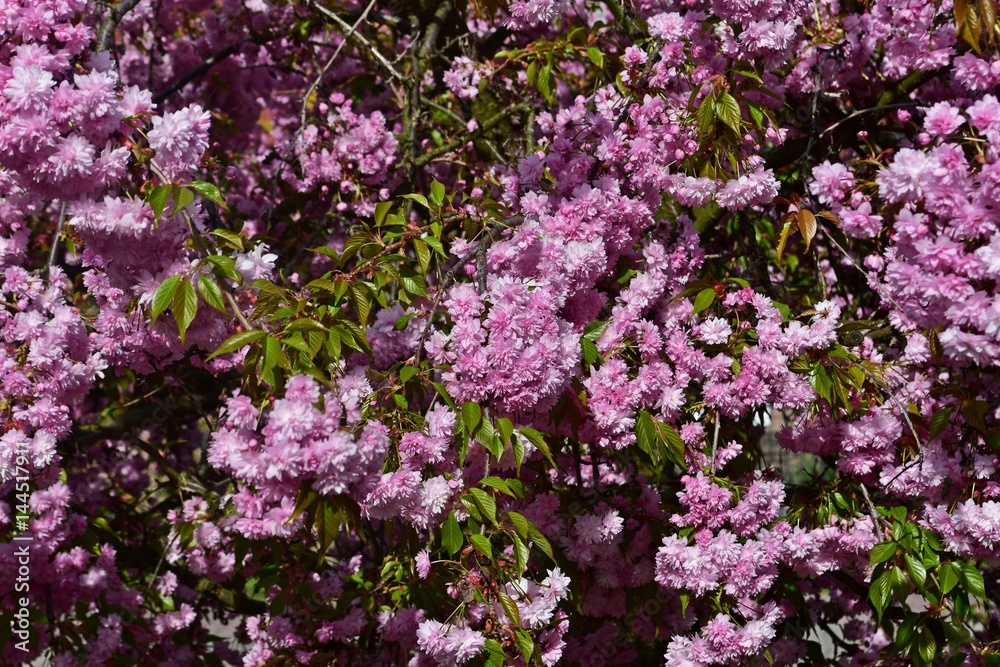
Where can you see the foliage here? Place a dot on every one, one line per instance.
(530, 333)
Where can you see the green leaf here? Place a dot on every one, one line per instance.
(445, 396)
(306, 497)
(939, 421)
(506, 428)
(975, 414)
(486, 504)
(898, 513)
(595, 56)
(646, 435)
(327, 525)
(238, 341)
(510, 608)
(516, 488)
(182, 197)
(406, 373)
(542, 543)
(472, 416)
(451, 535)
(235, 240)
(706, 115)
(878, 593)
(821, 383)
(728, 111)
(521, 524)
(420, 199)
(900, 583)
(750, 74)
(926, 645)
(498, 484)
(304, 324)
(209, 192)
(904, 634)
(435, 244)
(675, 445)
(535, 438)
(361, 299)
(497, 658)
(381, 210)
(211, 294)
(157, 199)
(590, 352)
(704, 299)
(415, 285)
(334, 346)
(786, 231)
(544, 83)
(358, 339)
(918, 574)
(947, 577)
(517, 446)
(184, 306)
(352, 245)
(974, 583)
(487, 437)
(882, 552)
(423, 254)
(272, 355)
(163, 296)
(226, 266)
(437, 192)
(521, 554)
(482, 544)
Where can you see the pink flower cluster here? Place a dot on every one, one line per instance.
(301, 440)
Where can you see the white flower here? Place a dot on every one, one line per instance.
(255, 264)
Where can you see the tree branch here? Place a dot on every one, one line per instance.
(457, 143)
(352, 32)
(107, 31)
(196, 72)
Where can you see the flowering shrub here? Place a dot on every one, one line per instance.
(544, 332)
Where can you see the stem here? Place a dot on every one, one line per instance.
(457, 143)
(352, 32)
(55, 239)
(715, 441)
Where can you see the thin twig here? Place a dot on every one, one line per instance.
(446, 282)
(351, 32)
(484, 246)
(858, 267)
(871, 508)
(55, 239)
(862, 112)
(329, 63)
(715, 440)
(373, 260)
(457, 143)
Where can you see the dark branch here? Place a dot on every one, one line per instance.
(107, 31)
(196, 72)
